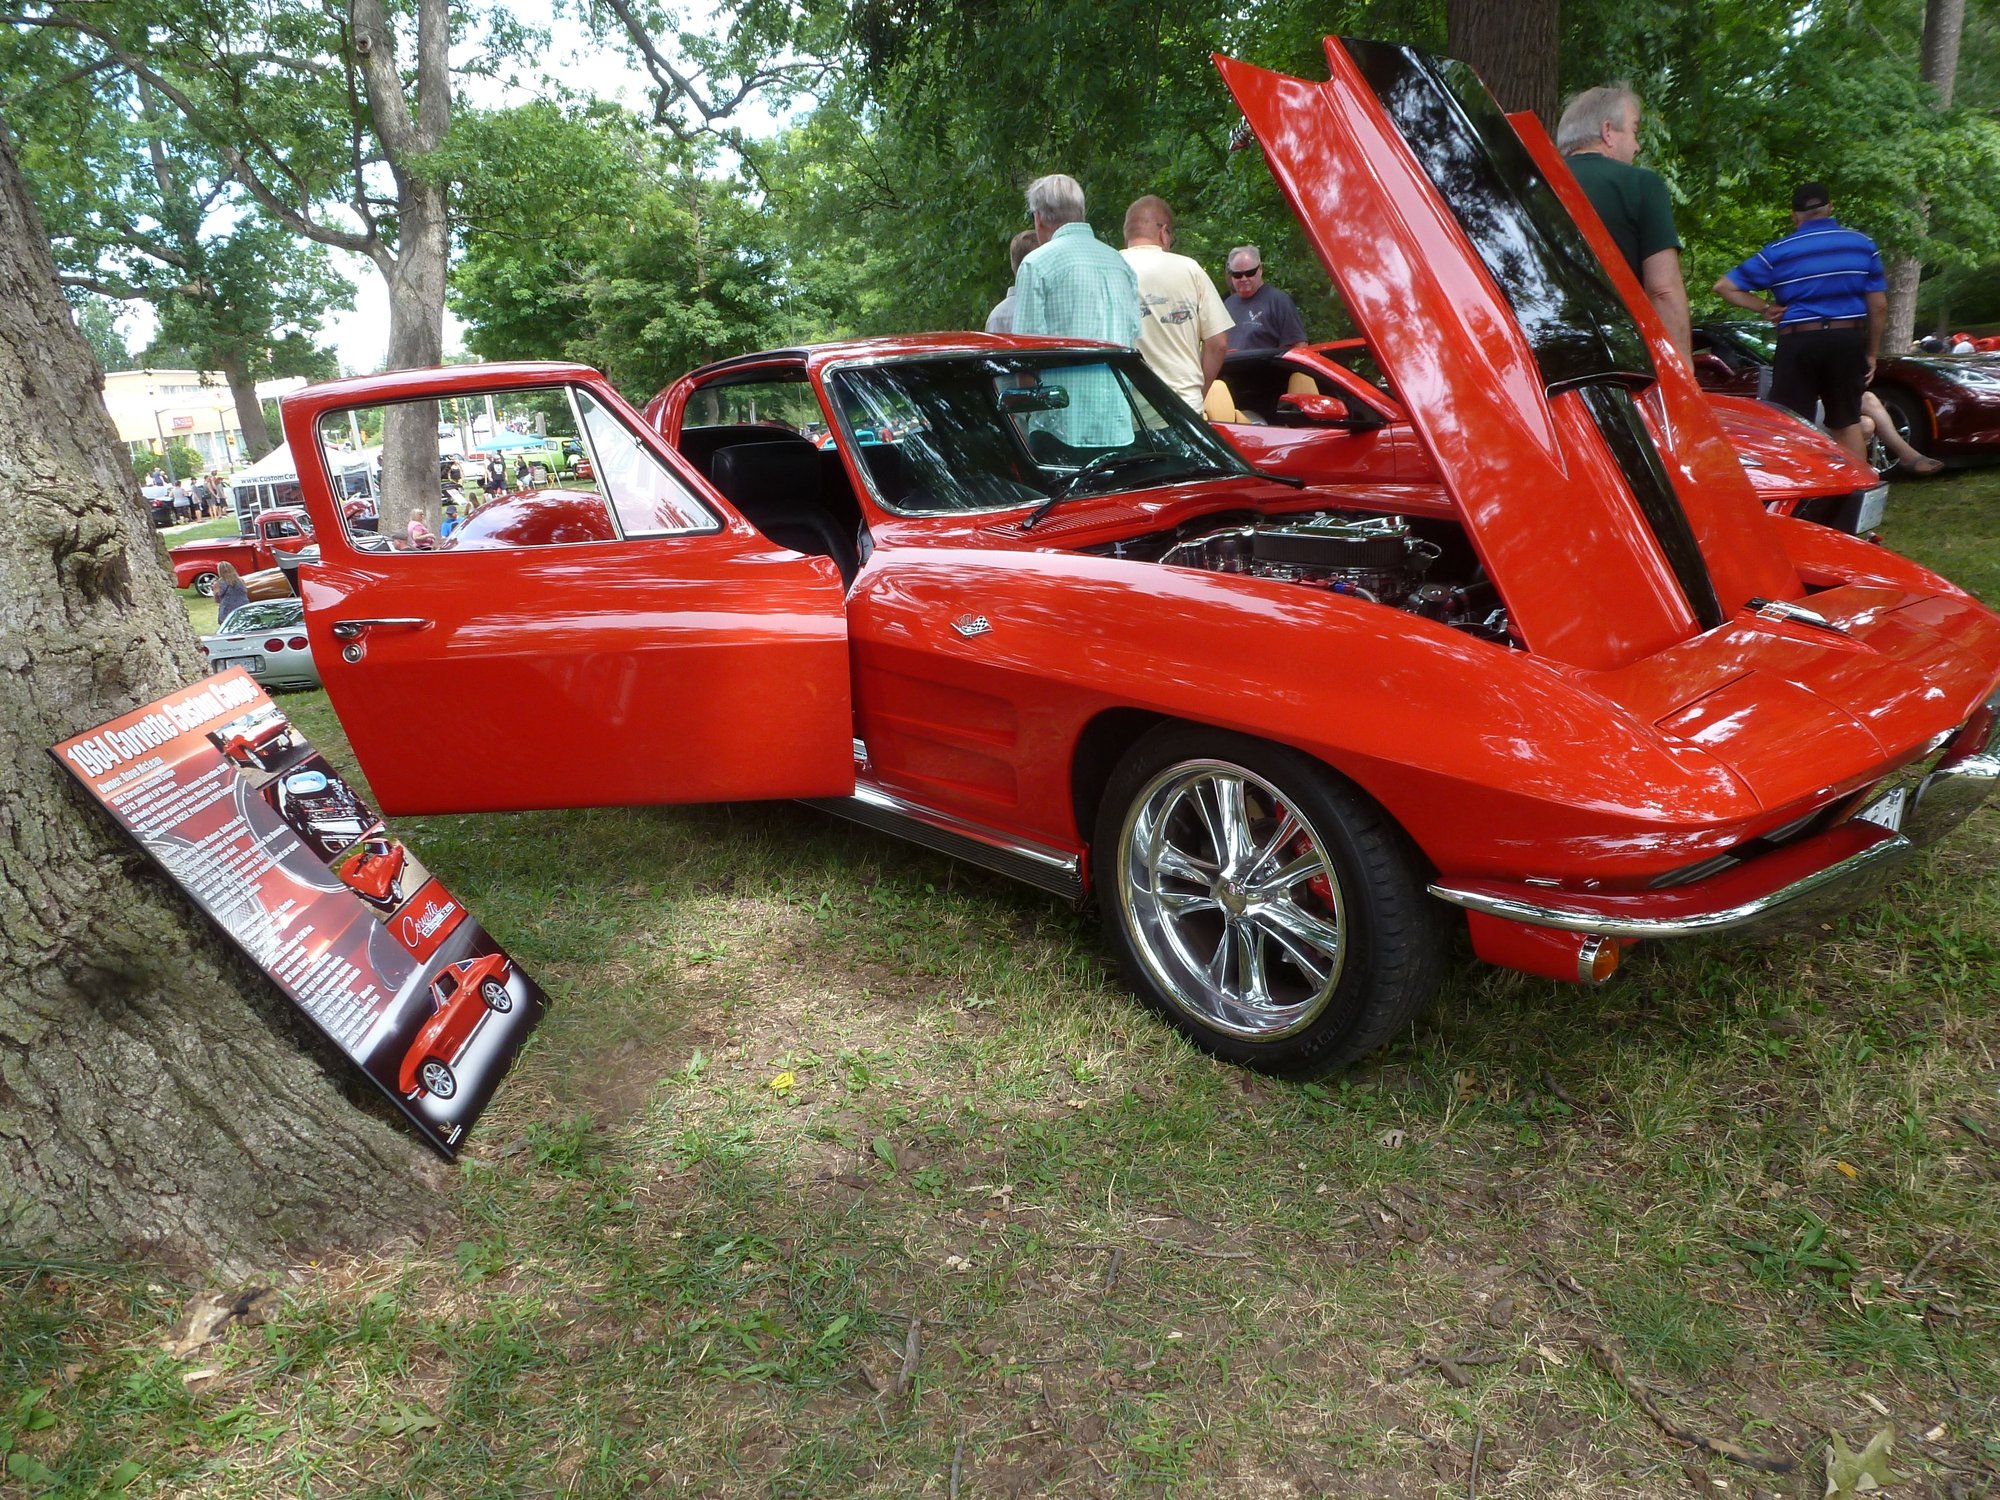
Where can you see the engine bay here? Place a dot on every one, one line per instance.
(1424, 568)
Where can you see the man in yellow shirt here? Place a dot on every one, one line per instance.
(1183, 326)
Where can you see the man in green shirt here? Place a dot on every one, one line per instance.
(1599, 136)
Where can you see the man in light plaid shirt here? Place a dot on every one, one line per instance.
(1076, 286)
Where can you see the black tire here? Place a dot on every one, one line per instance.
(1906, 410)
(1348, 877)
(437, 1078)
(204, 585)
(494, 993)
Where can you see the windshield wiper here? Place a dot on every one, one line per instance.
(1104, 463)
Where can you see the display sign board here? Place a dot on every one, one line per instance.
(234, 803)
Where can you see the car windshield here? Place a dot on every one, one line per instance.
(999, 431)
(1757, 338)
(266, 615)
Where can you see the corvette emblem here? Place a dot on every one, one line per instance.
(971, 625)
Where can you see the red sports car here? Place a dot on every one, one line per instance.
(258, 740)
(462, 996)
(1325, 413)
(374, 871)
(1057, 626)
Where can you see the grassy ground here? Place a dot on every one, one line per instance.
(838, 1169)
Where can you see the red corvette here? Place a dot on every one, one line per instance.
(257, 740)
(1326, 414)
(1581, 690)
(374, 871)
(462, 996)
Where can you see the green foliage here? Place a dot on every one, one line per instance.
(97, 321)
(586, 238)
(1746, 98)
(139, 207)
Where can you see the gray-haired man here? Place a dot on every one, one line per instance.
(1599, 136)
(1076, 286)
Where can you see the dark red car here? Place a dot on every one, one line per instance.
(1946, 405)
(462, 996)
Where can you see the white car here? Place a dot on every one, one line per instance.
(267, 638)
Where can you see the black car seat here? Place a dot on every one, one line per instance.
(777, 488)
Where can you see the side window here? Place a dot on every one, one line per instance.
(650, 501)
(544, 466)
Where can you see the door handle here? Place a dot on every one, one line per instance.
(353, 630)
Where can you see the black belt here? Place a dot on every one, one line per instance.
(1814, 324)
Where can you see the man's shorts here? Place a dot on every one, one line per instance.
(1821, 367)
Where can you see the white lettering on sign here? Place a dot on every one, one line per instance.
(416, 929)
(110, 748)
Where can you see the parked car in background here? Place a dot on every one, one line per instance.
(267, 638)
(1325, 413)
(271, 533)
(1580, 691)
(1945, 405)
(160, 502)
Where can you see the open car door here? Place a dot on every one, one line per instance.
(571, 643)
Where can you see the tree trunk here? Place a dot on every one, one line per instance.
(1514, 47)
(155, 1099)
(1944, 24)
(416, 339)
(249, 410)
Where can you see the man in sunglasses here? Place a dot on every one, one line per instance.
(1265, 317)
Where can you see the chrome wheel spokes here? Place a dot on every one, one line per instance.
(1231, 899)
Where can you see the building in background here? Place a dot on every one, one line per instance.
(152, 408)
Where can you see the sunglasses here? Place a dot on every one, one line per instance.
(1239, 275)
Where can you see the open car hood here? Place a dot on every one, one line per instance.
(1565, 428)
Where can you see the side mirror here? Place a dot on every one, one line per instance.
(1314, 410)
(1710, 368)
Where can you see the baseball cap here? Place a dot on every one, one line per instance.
(1809, 195)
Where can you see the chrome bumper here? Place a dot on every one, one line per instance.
(1913, 809)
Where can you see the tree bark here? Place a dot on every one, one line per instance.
(1514, 48)
(1944, 24)
(249, 410)
(155, 1099)
(415, 272)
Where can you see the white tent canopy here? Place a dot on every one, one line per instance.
(276, 467)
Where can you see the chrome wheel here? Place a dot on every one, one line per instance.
(436, 1079)
(1231, 900)
(494, 993)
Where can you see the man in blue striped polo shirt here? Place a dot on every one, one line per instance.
(1828, 296)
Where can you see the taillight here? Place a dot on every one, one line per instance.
(297, 643)
(275, 643)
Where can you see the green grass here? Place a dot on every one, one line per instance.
(801, 1085)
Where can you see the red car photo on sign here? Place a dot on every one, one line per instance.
(291, 863)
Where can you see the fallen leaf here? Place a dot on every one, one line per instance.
(1466, 1083)
(404, 1419)
(1845, 1170)
(1851, 1473)
(1391, 1138)
(783, 1081)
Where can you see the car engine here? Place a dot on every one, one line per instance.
(1377, 558)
